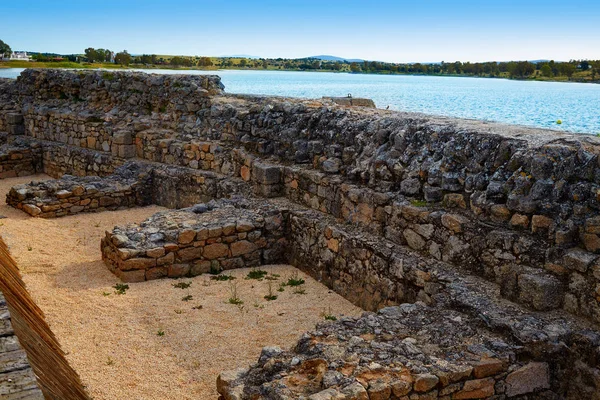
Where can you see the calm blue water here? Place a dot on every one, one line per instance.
(538, 104)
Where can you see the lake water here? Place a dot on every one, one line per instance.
(538, 104)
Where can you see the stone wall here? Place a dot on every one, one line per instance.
(515, 205)
(197, 240)
(19, 159)
(73, 195)
(384, 207)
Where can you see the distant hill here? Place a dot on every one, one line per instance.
(241, 56)
(334, 58)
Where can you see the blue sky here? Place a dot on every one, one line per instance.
(386, 30)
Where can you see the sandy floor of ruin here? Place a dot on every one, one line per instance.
(149, 343)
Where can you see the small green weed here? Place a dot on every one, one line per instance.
(270, 296)
(295, 280)
(328, 315)
(105, 294)
(256, 274)
(234, 298)
(182, 285)
(187, 298)
(160, 332)
(418, 203)
(178, 311)
(222, 278)
(198, 307)
(121, 288)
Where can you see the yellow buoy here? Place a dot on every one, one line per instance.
(559, 121)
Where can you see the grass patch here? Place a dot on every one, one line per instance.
(233, 295)
(222, 278)
(160, 332)
(328, 315)
(182, 285)
(418, 203)
(187, 298)
(295, 280)
(256, 274)
(270, 296)
(198, 307)
(121, 288)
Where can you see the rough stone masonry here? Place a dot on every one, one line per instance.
(481, 240)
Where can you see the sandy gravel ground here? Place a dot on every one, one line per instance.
(149, 343)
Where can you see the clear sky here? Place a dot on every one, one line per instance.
(385, 30)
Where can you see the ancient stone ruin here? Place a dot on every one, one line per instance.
(473, 247)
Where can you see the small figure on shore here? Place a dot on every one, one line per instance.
(387, 108)
(349, 96)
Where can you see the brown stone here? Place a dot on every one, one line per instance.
(425, 382)
(401, 388)
(155, 252)
(500, 213)
(31, 209)
(216, 250)
(244, 226)
(454, 222)
(528, 379)
(165, 260)
(242, 247)
(178, 270)
(540, 223)
(189, 253)
(487, 367)
(187, 236)
(132, 276)
(355, 391)
(455, 200)
(333, 245)
(138, 263)
(591, 242)
(156, 273)
(379, 390)
(414, 240)
(476, 389)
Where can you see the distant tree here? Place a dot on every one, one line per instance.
(546, 71)
(243, 62)
(91, 54)
(123, 58)
(584, 65)
(567, 69)
(4, 48)
(265, 64)
(354, 67)
(205, 62)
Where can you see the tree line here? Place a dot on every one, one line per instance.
(583, 70)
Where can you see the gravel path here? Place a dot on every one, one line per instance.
(148, 343)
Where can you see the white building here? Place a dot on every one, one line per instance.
(19, 56)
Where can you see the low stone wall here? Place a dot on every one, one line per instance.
(73, 195)
(197, 240)
(386, 356)
(17, 159)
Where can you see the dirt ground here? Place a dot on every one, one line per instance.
(149, 343)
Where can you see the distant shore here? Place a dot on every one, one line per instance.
(75, 65)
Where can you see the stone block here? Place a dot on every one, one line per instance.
(425, 382)
(487, 367)
(190, 253)
(578, 259)
(14, 118)
(242, 247)
(542, 292)
(216, 250)
(528, 379)
(138, 263)
(476, 389)
(266, 174)
(178, 270)
(132, 276)
(454, 222)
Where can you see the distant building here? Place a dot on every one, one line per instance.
(18, 56)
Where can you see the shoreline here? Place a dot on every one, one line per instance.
(59, 65)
